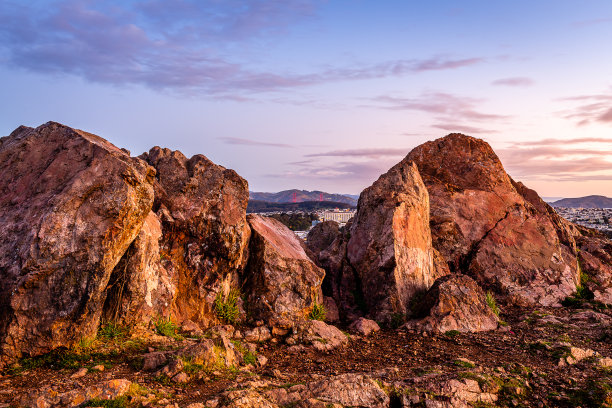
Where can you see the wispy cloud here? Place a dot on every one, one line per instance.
(514, 81)
(180, 45)
(370, 153)
(592, 109)
(448, 108)
(576, 159)
(462, 128)
(250, 142)
(595, 21)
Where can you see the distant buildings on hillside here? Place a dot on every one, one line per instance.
(596, 218)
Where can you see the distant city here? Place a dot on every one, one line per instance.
(596, 218)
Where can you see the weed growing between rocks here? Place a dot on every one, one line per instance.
(166, 327)
(492, 303)
(226, 307)
(120, 402)
(317, 312)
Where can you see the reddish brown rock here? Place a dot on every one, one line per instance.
(454, 302)
(203, 247)
(507, 239)
(71, 203)
(390, 244)
(322, 235)
(281, 282)
(595, 259)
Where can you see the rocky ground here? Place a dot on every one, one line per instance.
(542, 358)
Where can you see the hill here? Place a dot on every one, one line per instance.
(287, 196)
(265, 206)
(592, 201)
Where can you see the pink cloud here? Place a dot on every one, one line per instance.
(514, 81)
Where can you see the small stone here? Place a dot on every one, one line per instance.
(261, 360)
(99, 367)
(80, 373)
(181, 378)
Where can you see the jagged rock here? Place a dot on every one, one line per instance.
(351, 390)
(71, 204)
(246, 399)
(202, 352)
(331, 310)
(322, 235)
(282, 284)
(203, 247)
(49, 399)
(454, 302)
(595, 258)
(390, 245)
(140, 288)
(494, 229)
(364, 326)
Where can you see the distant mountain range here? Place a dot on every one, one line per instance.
(592, 201)
(256, 206)
(298, 196)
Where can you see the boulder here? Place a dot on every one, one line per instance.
(595, 261)
(203, 246)
(489, 227)
(281, 282)
(320, 335)
(350, 390)
(71, 204)
(390, 245)
(454, 302)
(107, 390)
(321, 236)
(364, 326)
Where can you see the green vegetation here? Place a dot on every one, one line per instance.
(452, 333)
(296, 221)
(113, 331)
(166, 327)
(492, 303)
(247, 356)
(226, 307)
(317, 312)
(463, 363)
(64, 359)
(397, 319)
(120, 402)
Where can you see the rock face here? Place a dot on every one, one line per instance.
(201, 208)
(595, 260)
(71, 203)
(485, 227)
(322, 235)
(390, 244)
(282, 284)
(454, 302)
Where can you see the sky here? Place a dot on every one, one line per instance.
(322, 95)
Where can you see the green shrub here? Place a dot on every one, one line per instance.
(249, 358)
(492, 303)
(452, 333)
(226, 307)
(317, 312)
(120, 402)
(166, 327)
(113, 331)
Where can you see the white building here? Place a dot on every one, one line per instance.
(340, 217)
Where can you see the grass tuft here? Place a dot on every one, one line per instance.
(166, 327)
(317, 312)
(226, 307)
(492, 303)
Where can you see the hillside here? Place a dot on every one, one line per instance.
(266, 206)
(287, 196)
(592, 201)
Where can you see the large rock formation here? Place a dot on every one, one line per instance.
(71, 203)
(390, 242)
(282, 284)
(484, 227)
(192, 248)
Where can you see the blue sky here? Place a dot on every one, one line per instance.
(322, 94)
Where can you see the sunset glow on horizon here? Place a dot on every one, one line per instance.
(323, 95)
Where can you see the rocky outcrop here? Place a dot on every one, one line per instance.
(390, 242)
(486, 228)
(71, 204)
(595, 261)
(281, 282)
(201, 207)
(454, 302)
